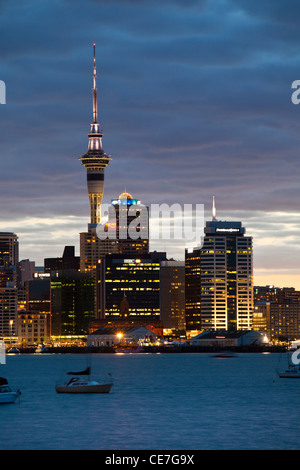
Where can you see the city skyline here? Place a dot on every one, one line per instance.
(183, 120)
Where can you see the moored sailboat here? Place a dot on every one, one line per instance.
(83, 383)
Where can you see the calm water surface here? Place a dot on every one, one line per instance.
(158, 402)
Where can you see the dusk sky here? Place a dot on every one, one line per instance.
(194, 100)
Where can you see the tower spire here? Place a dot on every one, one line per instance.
(214, 210)
(95, 110)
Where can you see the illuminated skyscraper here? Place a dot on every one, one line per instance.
(172, 294)
(9, 258)
(9, 249)
(95, 160)
(224, 276)
(128, 211)
(137, 279)
(193, 289)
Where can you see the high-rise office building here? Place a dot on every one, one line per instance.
(137, 279)
(226, 277)
(193, 289)
(9, 257)
(9, 249)
(130, 225)
(25, 272)
(9, 313)
(172, 294)
(72, 302)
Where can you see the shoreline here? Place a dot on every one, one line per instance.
(164, 349)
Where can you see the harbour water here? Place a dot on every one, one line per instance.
(158, 402)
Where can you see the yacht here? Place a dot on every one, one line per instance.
(84, 385)
(6, 394)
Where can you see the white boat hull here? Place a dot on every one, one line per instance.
(8, 397)
(93, 388)
(78, 385)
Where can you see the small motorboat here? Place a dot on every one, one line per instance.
(6, 394)
(82, 385)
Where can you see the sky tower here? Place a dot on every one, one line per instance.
(95, 160)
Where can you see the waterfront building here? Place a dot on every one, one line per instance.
(33, 328)
(282, 320)
(124, 336)
(225, 339)
(172, 294)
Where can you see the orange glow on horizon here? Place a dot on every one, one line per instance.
(278, 280)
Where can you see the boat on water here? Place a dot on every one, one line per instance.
(6, 394)
(41, 349)
(291, 372)
(13, 350)
(224, 354)
(83, 383)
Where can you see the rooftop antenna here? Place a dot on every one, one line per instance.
(95, 111)
(214, 210)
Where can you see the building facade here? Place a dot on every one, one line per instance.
(226, 277)
(219, 279)
(136, 279)
(72, 303)
(172, 294)
(9, 249)
(193, 289)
